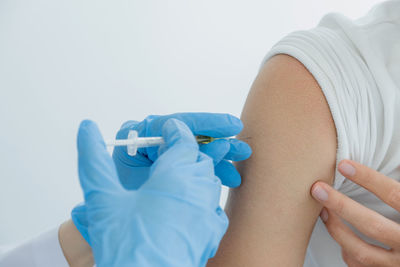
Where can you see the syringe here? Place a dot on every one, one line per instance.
(133, 142)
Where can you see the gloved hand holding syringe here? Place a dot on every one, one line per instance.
(133, 142)
(140, 203)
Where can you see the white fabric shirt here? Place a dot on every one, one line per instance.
(357, 66)
(42, 251)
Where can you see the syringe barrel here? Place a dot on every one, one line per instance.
(120, 142)
(149, 141)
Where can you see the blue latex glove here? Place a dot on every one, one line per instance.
(173, 219)
(134, 171)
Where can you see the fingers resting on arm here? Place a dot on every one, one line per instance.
(355, 251)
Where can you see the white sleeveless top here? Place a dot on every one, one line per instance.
(357, 65)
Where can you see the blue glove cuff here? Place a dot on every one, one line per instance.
(78, 215)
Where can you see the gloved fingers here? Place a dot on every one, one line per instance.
(197, 183)
(210, 124)
(120, 152)
(140, 126)
(238, 151)
(217, 150)
(132, 171)
(228, 174)
(206, 185)
(132, 178)
(180, 145)
(78, 215)
(176, 164)
(97, 171)
(205, 169)
(129, 124)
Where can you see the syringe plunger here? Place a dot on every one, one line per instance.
(133, 142)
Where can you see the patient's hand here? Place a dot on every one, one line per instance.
(355, 251)
(293, 139)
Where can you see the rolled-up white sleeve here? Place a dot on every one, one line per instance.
(43, 251)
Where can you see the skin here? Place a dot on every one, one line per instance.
(76, 250)
(288, 124)
(355, 251)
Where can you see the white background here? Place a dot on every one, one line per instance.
(111, 61)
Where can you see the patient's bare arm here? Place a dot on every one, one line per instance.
(76, 250)
(289, 126)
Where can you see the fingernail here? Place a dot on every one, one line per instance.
(319, 193)
(347, 169)
(324, 215)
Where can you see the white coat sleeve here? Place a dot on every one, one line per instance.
(43, 251)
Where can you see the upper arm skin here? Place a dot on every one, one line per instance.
(288, 124)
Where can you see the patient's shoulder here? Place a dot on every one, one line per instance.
(284, 89)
